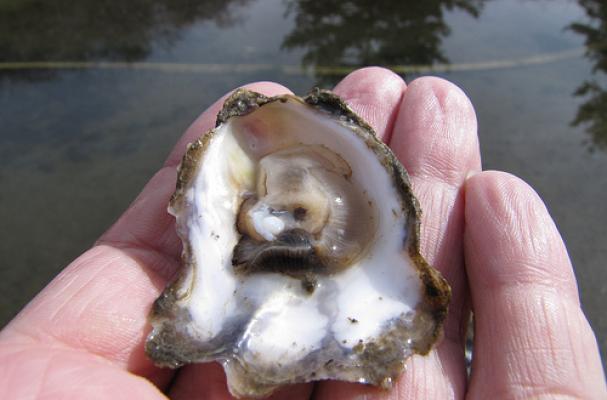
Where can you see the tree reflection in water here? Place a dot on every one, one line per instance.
(592, 114)
(109, 30)
(356, 33)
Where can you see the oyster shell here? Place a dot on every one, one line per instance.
(300, 248)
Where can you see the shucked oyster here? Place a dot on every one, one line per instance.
(301, 251)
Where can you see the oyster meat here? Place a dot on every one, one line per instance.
(300, 249)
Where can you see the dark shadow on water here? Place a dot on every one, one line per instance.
(359, 33)
(592, 114)
(89, 30)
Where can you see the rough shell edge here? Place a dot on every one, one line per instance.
(437, 292)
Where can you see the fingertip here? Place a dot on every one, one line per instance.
(491, 194)
(370, 79)
(488, 197)
(268, 88)
(374, 93)
(447, 93)
(435, 133)
(508, 223)
(491, 186)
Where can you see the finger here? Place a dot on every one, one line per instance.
(99, 304)
(211, 384)
(435, 121)
(435, 138)
(438, 145)
(531, 338)
(374, 94)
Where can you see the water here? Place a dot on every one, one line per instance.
(77, 144)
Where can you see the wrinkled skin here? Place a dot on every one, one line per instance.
(487, 232)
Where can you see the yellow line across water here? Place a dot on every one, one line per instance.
(539, 59)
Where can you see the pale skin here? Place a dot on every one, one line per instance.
(488, 232)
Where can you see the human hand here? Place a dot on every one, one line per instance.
(487, 232)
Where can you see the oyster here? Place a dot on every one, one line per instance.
(300, 248)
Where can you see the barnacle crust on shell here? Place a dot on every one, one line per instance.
(301, 255)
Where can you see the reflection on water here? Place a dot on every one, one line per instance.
(63, 30)
(361, 32)
(592, 114)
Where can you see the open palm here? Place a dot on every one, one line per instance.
(489, 234)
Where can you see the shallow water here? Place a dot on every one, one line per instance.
(78, 141)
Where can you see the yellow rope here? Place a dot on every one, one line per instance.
(290, 69)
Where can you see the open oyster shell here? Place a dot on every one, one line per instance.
(300, 249)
